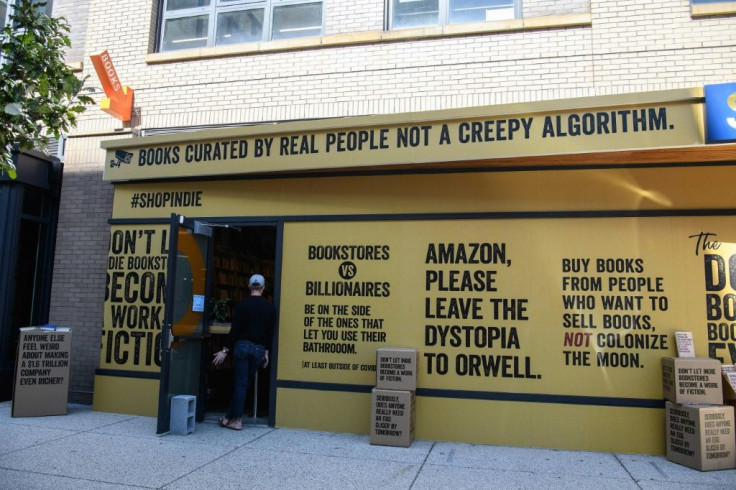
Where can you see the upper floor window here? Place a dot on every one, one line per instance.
(200, 23)
(421, 13)
(4, 12)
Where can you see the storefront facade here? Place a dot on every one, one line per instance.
(527, 202)
(540, 297)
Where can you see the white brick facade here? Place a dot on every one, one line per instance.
(349, 16)
(627, 47)
(75, 12)
(623, 47)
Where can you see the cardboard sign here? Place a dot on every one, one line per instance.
(692, 380)
(701, 436)
(685, 345)
(728, 373)
(392, 417)
(397, 369)
(42, 372)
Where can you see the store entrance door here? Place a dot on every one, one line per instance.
(182, 340)
(240, 250)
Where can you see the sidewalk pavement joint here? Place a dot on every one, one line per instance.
(95, 450)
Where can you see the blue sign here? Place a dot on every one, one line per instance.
(720, 112)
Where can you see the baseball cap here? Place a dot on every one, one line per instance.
(256, 281)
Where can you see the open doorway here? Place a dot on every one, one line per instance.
(239, 252)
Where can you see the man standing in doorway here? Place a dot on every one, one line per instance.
(251, 333)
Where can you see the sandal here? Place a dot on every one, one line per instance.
(235, 425)
(223, 422)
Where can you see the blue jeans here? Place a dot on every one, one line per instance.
(247, 358)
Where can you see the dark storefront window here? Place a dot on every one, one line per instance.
(28, 279)
(27, 229)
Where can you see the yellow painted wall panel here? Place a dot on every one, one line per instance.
(323, 410)
(578, 428)
(475, 192)
(135, 396)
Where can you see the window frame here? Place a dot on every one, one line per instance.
(9, 5)
(216, 7)
(709, 8)
(240, 7)
(443, 17)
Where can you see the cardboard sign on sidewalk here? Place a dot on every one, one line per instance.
(42, 372)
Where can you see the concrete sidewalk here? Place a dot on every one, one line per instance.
(96, 450)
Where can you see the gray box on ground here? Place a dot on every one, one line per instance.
(183, 410)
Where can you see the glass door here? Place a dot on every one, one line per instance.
(182, 341)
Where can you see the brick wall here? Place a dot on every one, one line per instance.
(541, 8)
(78, 287)
(75, 12)
(348, 16)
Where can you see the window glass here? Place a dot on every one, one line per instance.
(240, 26)
(3, 12)
(415, 13)
(463, 11)
(28, 282)
(201, 23)
(185, 4)
(34, 202)
(297, 21)
(185, 32)
(419, 13)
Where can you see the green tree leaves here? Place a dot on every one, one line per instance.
(39, 93)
